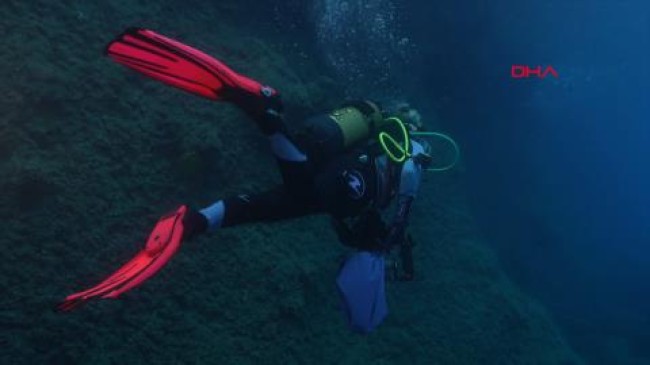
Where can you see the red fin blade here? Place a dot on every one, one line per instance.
(177, 64)
(163, 243)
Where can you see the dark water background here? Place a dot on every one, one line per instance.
(559, 168)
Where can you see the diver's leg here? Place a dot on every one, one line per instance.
(273, 205)
(265, 109)
(296, 169)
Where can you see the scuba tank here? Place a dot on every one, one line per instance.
(355, 123)
(327, 135)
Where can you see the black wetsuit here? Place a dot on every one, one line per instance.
(318, 176)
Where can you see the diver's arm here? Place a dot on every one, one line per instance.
(400, 222)
(409, 184)
(408, 187)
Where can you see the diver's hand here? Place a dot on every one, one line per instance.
(194, 223)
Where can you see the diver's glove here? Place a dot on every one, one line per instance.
(194, 223)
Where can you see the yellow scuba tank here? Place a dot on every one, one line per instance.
(327, 135)
(357, 121)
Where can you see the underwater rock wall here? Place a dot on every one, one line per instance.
(92, 154)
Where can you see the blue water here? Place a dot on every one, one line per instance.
(558, 168)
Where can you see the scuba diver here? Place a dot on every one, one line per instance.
(332, 166)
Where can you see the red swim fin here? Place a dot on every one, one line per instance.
(179, 65)
(163, 242)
